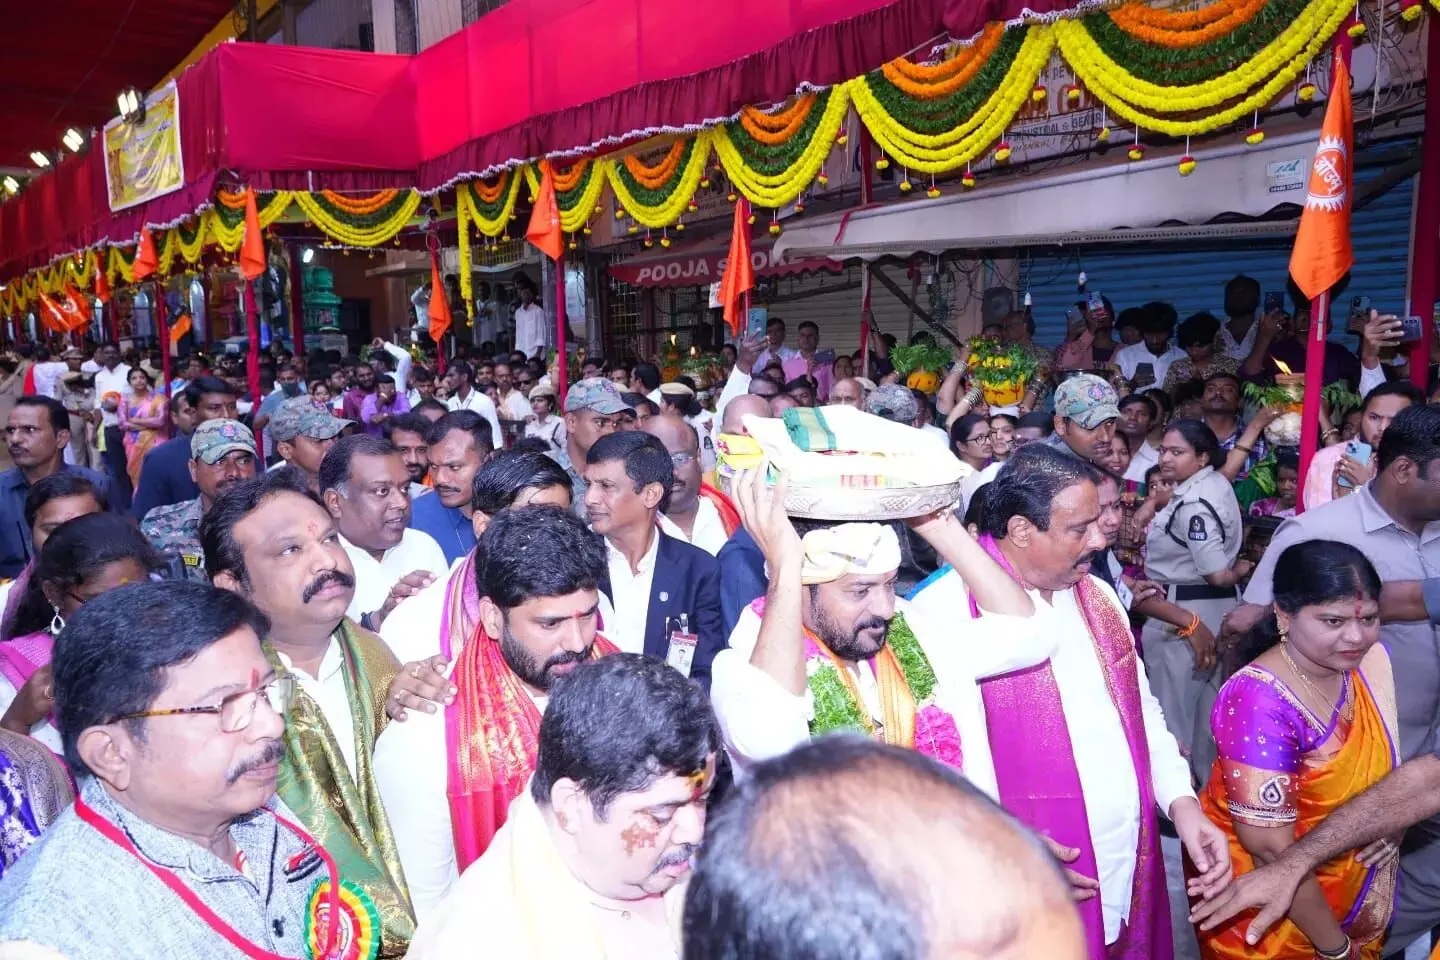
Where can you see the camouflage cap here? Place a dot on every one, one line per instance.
(1086, 399)
(213, 439)
(893, 402)
(302, 416)
(595, 393)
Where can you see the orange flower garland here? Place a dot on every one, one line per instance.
(907, 75)
(234, 201)
(653, 178)
(772, 128)
(569, 178)
(359, 206)
(1141, 14)
(1130, 19)
(491, 192)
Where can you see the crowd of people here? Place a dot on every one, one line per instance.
(399, 657)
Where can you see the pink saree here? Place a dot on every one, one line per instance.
(22, 656)
(1040, 784)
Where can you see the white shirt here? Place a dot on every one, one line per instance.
(530, 328)
(760, 719)
(47, 378)
(477, 402)
(515, 405)
(327, 689)
(1239, 349)
(708, 533)
(974, 482)
(782, 353)
(552, 431)
(1141, 460)
(109, 381)
(44, 731)
(486, 326)
(630, 593)
(403, 362)
(1102, 755)
(417, 550)
(1128, 358)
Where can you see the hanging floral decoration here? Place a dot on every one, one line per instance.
(655, 195)
(489, 204)
(369, 229)
(773, 172)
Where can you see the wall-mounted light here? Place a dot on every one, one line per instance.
(40, 158)
(131, 104)
(74, 140)
(11, 185)
(307, 255)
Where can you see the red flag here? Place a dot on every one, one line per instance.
(147, 261)
(1322, 254)
(439, 302)
(544, 229)
(52, 317)
(252, 248)
(739, 273)
(180, 327)
(77, 309)
(102, 285)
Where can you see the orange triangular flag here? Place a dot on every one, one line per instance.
(439, 303)
(179, 328)
(76, 308)
(51, 316)
(544, 229)
(147, 261)
(252, 248)
(1322, 254)
(102, 285)
(739, 273)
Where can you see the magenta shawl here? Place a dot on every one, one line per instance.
(1040, 784)
(22, 656)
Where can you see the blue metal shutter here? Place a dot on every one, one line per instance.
(1193, 276)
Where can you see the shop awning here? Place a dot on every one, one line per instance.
(703, 263)
(1119, 203)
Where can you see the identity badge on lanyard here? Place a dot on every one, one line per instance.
(681, 654)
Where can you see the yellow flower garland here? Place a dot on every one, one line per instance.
(776, 190)
(350, 236)
(229, 239)
(462, 225)
(669, 211)
(941, 153)
(465, 198)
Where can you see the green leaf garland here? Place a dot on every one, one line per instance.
(942, 114)
(773, 159)
(831, 701)
(657, 197)
(1184, 66)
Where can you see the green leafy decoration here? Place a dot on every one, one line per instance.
(919, 676)
(647, 197)
(834, 708)
(1181, 66)
(364, 221)
(943, 114)
(919, 356)
(773, 159)
(567, 199)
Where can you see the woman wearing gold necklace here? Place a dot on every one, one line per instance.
(1305, 726)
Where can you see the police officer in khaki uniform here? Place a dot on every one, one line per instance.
(1192, 550)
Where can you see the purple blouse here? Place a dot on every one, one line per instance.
(1263, 733)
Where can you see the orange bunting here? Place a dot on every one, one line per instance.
(147, 260)
(544, 229)
(1322, 253)
(252, 248)
(102, 285)
(439, 303)
(739, 275)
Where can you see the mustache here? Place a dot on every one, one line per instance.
(566, 656)
(871, 623)
(329, 576)
(681, 854)
(273, 752)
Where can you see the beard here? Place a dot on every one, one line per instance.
(848, 644)
(527, 667)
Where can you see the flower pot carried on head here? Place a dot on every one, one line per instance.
(1003, 394)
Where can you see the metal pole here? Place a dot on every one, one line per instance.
(1425, 240)
(1314, 383)
(162, 325)
(561, 330)
(297, 301)
(866, 166)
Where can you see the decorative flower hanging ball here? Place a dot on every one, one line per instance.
(665, 242)
(1187, 165)
(573, 245)
(1356, 30)
(587, 231)
(1307, 92)
(632, 229)
(750, 219)
(1104, 135)
(692, 206)
(732, 196)
(1136, 151)
(619, 213)
(679, 228)
(599, 208)
(1072, 93)
(1255, 136)
(933, 192)
(799, 206)
(843, 138)
(823, 178)
(967, 180)
(704, 183)
(882, 164)
(649, 243)
(1002, 151)
(906, 186)
(1411, 12)
(1038, 93)
(775, 229)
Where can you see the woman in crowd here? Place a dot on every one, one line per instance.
(1287, 486)
(50, 502)
(83, 558)
(143, 419)
(546, 425)
(1002, 436)
(971, 439)
(1306, 725)
(1192, 550)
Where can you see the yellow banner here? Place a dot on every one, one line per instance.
(143, 161)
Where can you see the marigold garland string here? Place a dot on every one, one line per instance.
(662, 206)
(490, 216)
(928, 83)
(1182, 33)
(794, 169)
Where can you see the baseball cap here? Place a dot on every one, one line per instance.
(594, 393)
(893, 402)
(303, 416)
(213, 439)
(542, 390)
(1086, 399)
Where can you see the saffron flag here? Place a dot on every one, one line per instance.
(76, 308)
(102, 284)
(1322, 254)
(252, 248)
(180, 327)
(147, 261)
(739, 275)
(439, 302)
(544, 229)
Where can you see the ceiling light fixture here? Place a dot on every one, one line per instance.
(11, 185)
(307, 255)
(74, 140)
(40, 158)
(132, 107)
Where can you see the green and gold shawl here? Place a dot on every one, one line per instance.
(344, 813)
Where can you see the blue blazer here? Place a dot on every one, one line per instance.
(688, 580)
(742, 577)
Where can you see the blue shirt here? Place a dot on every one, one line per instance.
(450, 528)
(742, 577)
(15, 546)
(165, 477)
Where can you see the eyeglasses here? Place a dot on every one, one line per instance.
(683, 457)
(982, 438)
(524, 383)
(237, 710)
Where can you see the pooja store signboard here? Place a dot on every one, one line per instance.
(706, 265)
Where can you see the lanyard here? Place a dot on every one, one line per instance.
(118, 837)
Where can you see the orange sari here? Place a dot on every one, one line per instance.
(1360, 897)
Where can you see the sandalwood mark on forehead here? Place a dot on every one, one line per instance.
(638, 834)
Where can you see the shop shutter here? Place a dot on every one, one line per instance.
(832, 302)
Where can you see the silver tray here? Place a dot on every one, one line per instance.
(870, 503)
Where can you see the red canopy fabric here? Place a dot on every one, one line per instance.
(701, 264)
(543, 76)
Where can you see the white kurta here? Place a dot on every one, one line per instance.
(1102, 755)
(708, 532)
(760, 719)
(417, 550)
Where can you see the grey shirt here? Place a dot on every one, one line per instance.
(81, 894)
(1397, 555)
(578, 486)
